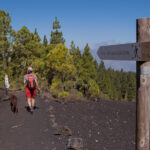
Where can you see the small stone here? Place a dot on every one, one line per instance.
(45, 130)
(124, 121)
(54, 125)
(53, 120)
(47, 101)
(63, 130)
(52, 116)
(53, 143)
(75, 143)
(96, 141)
(51, 109)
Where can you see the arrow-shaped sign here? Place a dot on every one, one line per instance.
(131, 51)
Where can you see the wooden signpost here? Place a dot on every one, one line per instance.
(139, 52)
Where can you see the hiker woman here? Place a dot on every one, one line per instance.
(31, 84)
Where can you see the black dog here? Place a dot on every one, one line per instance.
(13, 104)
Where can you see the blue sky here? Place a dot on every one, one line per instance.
(83, 21)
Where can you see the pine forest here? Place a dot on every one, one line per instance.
(64, 72)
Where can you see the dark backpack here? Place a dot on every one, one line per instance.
(31, 84)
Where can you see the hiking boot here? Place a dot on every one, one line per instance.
(34, 107)
(27, 108)
(31, 110)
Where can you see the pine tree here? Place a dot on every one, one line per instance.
(60, 66)
(56, 36)
(26, 50)
(45, 42)
(124, 84)
(102, 66)
(112, 91)
(104, 81)
(36, 36)
(131, 90)
(117, 84)
(77, 61)
(5, 42)
(101, 75)
(75, 52)
(88, 72)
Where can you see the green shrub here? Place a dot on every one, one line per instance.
(74, 94)
(93, 89)
(43, 84)
(103, 96)
(63, 95)
(17, 84)
(79, 96)
(56, 87)
(68, 85)
(2, 78)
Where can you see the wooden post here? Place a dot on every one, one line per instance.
(143, 89)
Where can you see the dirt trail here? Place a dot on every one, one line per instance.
(103, 125)
(24, 131)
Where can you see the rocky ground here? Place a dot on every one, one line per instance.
(102, 125)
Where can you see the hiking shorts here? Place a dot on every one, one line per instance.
(30, 93)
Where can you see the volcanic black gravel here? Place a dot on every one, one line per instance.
(102, 125)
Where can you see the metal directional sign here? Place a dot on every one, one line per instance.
(131, 51)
